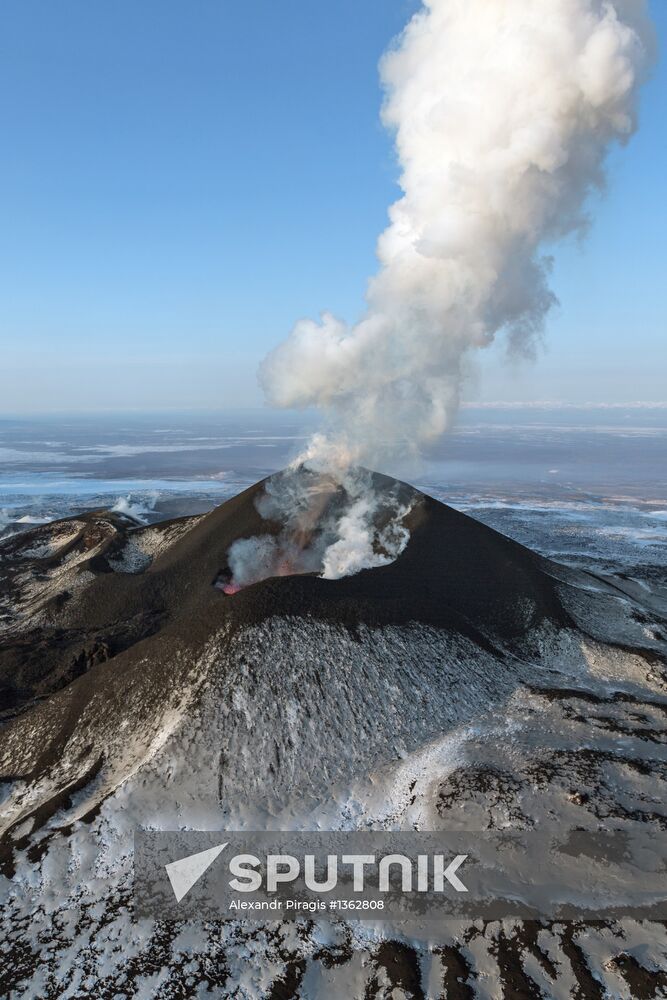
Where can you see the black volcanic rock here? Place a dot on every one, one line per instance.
(456, 574)
(470, 682)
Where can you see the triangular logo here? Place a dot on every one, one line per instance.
(184, 873)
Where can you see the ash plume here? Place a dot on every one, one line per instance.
(503, 112)
(331, 525)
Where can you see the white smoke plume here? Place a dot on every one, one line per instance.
(330, 524)
(503, 112)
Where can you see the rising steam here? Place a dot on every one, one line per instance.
(332, 525)
(503, 112)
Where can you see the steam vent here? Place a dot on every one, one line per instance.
(469, 684)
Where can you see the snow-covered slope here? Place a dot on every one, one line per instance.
(470, 684)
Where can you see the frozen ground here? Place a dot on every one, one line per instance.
(300, 723)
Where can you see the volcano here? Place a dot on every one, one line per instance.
(469, 684)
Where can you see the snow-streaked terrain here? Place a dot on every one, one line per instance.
(501, 692)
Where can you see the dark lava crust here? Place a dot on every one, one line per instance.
(105, 629)
(455, 574)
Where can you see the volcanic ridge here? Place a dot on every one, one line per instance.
(469, 684)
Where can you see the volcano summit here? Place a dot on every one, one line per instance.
(469, 684)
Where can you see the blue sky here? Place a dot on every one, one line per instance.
(181, 182)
